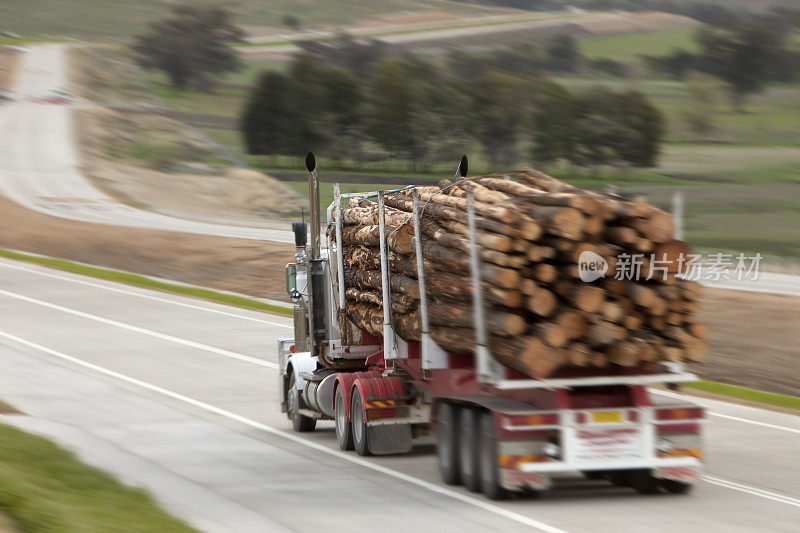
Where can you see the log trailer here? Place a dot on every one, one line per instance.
(496, 430)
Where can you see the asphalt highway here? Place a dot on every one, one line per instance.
(181, 396)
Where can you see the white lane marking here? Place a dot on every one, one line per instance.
(720, 415)
(141, 295)
(788, 500)
(292, 437)
(756, 423)
(137, 329)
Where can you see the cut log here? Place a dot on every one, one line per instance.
(551, 333)
(623, 353)
(565, 222)
(497, 322)
(573, 322)
(604, 333)
(542, 302)
(587, 298)
(401, 303)
(579, 354)
(398, 239)
(371, 279)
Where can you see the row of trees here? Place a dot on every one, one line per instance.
(412, 110)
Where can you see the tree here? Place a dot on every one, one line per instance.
(702, 106)
(553, 121)
(270, 119)
(638, 115)
(616, 127)
(499, 108)
(390, 110)
(190, 46)
(341, 114)
(742, 57)
(563, 54)
(291, 21)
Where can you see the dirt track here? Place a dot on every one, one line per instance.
(754, 337)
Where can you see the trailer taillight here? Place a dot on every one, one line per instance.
(517, 421)
(691, 413)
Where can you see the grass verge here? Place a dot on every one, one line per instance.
(45, 488)
(147, 283)
(743, 393)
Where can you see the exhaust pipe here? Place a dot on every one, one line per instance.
(313, 200)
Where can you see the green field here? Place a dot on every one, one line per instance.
(627, 48)
(101, 18)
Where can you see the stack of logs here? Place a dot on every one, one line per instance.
(532, 229)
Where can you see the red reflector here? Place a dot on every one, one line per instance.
(533, 420)
(633, 416)
(291, 348)
(580, 417)
(680, 414)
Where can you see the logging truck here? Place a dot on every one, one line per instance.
(497, 430)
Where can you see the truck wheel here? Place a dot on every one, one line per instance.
(489, 470)
(359, 425)
(619, 478)
(344, 433)
(642, 481)
(469, 448)
(299, 422)
(675, 487)
(593, 474)
(447, 442)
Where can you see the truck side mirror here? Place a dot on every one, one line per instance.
(299, 230)
(291, 282)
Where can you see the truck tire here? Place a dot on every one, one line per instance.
(469, 448)
(489, 469)
(359, 426)
(344, 433)
(300, 422)
(447, 442)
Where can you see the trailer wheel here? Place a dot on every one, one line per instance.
(676, 487)
(344, 433)
(469, 448)
(642, 481)
(489, 470)
(447, 442)
(299, 422)
(359, 425)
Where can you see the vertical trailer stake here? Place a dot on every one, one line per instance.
(488, 369)
(391, 342)
(432, 355)
(337, 198)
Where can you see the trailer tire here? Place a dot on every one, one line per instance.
(300, 422)
(643, 482)
(344, 433)
(676, 487)
(469, 448)
(358, 423)
(489, 468)
(447, 442)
